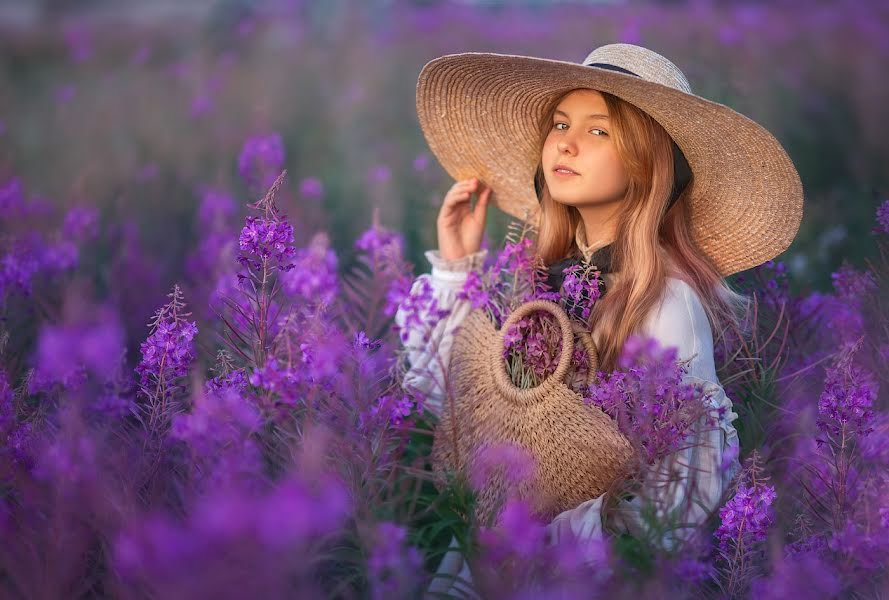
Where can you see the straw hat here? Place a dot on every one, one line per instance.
(480, 114)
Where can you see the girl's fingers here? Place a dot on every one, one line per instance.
(482, 204)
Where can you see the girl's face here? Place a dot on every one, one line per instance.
(580, 139)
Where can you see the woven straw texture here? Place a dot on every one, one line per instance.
(578, 449)
(480, 112)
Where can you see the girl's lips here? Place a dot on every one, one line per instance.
(565, 174)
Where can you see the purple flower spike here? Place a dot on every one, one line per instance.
(746, 517)
(169, 350)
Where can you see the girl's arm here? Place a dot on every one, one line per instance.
(427, 318)
(701, 472)
(427, 338)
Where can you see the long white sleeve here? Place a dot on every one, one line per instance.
(698, 475)
(428, 348)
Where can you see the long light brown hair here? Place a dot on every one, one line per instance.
(651, 242)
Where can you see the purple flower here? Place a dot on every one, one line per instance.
(394, 408)
(311, 187)
(65, 94)
(216, 208)
(7, 408)
(805, 570)
(882, 218)
(380, 244)
(362, 341)
(261, 159)
(647, 397)
(516, 257)
(517, 533)
(169, 350)
(379, 174)
(393, 567)
(78, 39)
(81, 224)
(421, 161)
(847, 400)
(515, 462)
(267, 239)
(745, 518)
(218, 433)
(94, 342)
(282, 381)
(313, 277)
(852, 285)
(474, 290)
(419, 311)
(12, 198)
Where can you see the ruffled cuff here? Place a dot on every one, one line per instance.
(454, 270)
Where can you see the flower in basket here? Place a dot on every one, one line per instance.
(533, 345)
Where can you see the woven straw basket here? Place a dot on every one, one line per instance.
(577, 449)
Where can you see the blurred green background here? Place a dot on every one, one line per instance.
(131, 106)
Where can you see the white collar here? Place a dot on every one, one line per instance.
(580, 239)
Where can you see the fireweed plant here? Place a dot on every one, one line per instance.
(286, 456)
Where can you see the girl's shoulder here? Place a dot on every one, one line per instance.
(679, 319)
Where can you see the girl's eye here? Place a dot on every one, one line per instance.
(556, 126)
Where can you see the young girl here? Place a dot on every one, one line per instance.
(621, 166)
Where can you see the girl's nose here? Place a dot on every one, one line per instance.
(565, 146)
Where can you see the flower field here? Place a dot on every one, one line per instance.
(210, 222)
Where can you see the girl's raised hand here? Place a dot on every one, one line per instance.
(460, 226)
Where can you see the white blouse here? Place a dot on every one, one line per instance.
(706, 468)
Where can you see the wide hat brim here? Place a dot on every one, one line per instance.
(480, 112)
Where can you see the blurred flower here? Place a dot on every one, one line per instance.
(261, 159)
(65, 94)
(147, 172)
(81, 224)
(311, 187)
(421, 162)
(381, 244)
(280, 380)
(141, 55)
(515, 463)
(394, 567)
(882, 218)
(216, 208)
(12, 198)
(266, 534)
(78, 39)
(313, 277)
(851, 284)
(93, 341)
(218, 433)
(201, 104)
(362, 341)
(805, 570)
(379, 174)
(518, 533)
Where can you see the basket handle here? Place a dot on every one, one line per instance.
(502, 380)
(586, 338)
